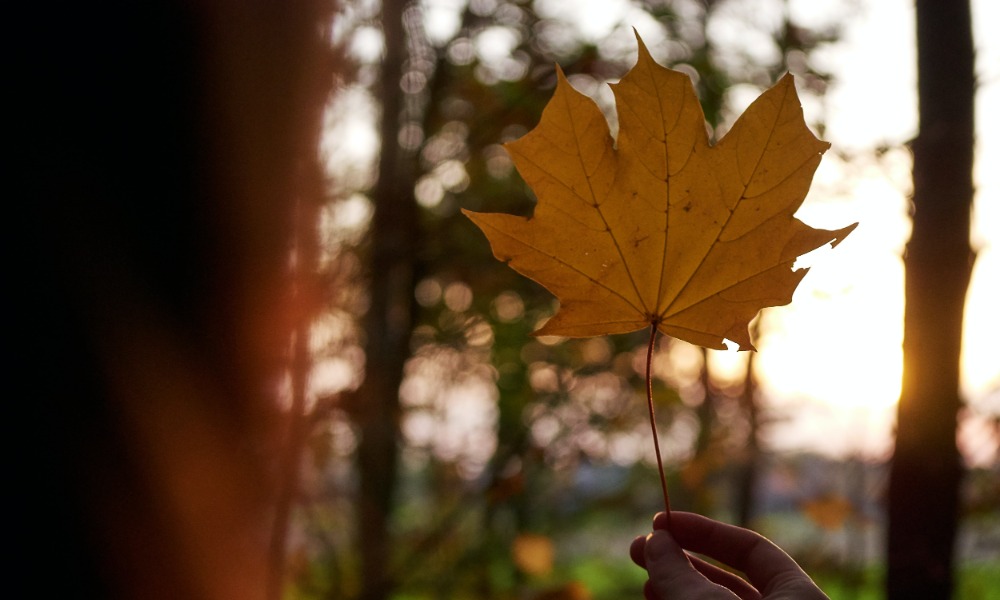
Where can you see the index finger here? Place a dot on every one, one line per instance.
(765, 564)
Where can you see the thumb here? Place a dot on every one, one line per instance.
(671, 574)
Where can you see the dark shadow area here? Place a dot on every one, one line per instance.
(162, 141)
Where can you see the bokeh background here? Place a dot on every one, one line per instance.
(258, 353)
(525, 464)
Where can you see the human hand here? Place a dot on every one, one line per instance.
(675, 575)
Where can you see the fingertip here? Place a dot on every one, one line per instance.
(637, 551)
(669, 568)
(658, 545)
(661, 521)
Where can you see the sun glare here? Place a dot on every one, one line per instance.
(838, 347)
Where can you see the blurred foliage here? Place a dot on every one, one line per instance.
(526, 462)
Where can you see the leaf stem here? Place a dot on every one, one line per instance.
(652, 419)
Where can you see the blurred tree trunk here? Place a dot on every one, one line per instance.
(164, 140)
(926, 469)
(305, 295)
(388, 322)
(697, 491)
(747, 478)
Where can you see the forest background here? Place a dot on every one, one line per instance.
(266, 330)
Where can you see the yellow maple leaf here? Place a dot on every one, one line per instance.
(663, 229)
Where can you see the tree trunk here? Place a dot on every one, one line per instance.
(305, 305)
(393, 238)
(926, 469)
(162, 149)
(746, 483)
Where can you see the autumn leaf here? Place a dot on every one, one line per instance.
(663, 228)
(533, 554)
(829, 512)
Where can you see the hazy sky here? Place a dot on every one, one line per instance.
(844, 328)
